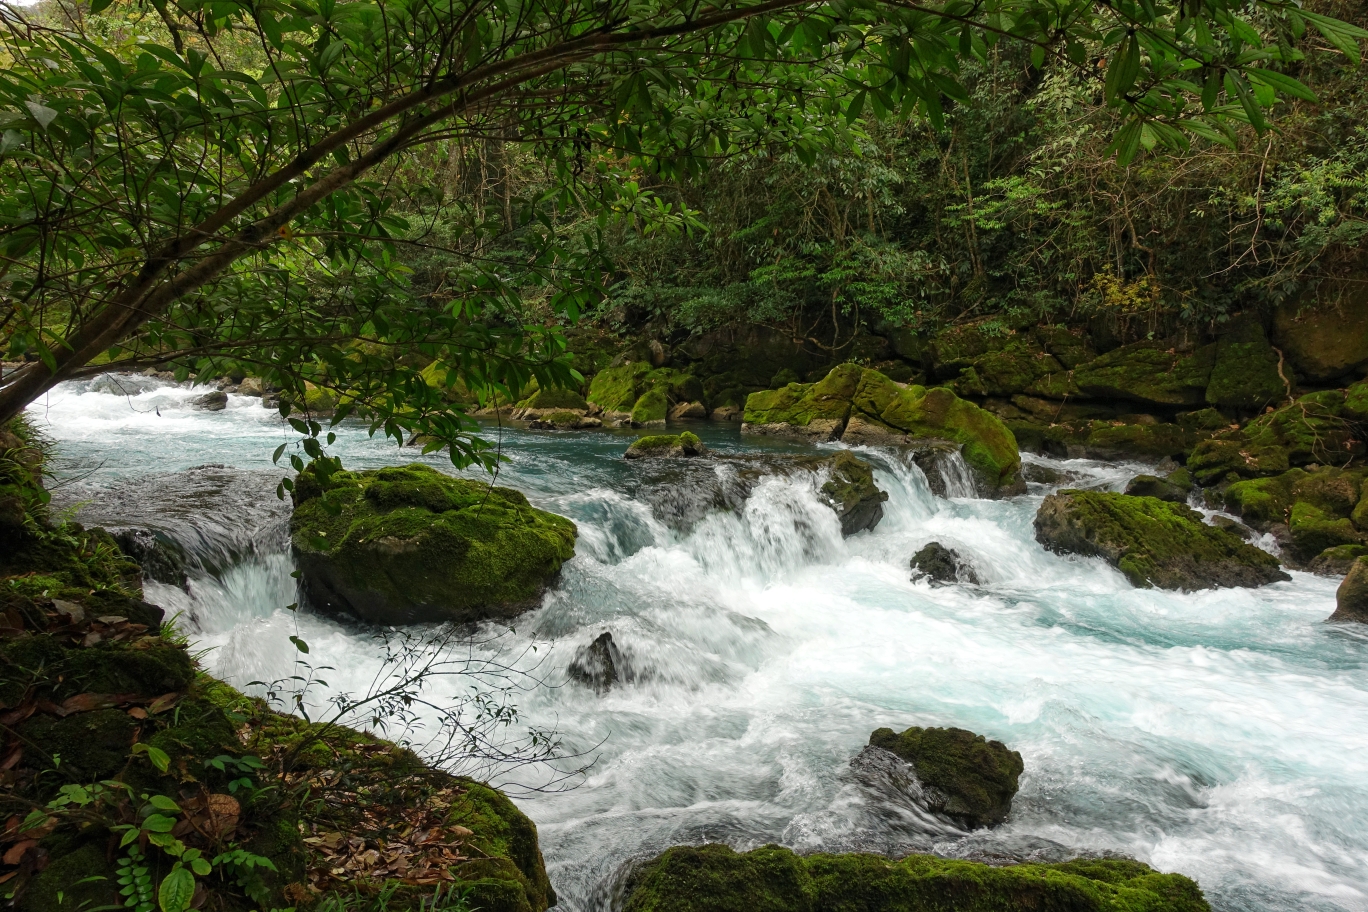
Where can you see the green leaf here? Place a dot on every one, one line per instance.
(300, 644)
(1282, 83)
(176, 891)
(155, 755)
(202, 867)
(159, 823)
(161, 802)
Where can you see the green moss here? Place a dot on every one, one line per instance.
(91, 745)
(650, 410)
(1071, 346)
(74, 881)
(1214, 459)
(199, 729)
(1149, 372)
(319, 400)
(504, 832)
(1261, 502)
(1011, 370)
(407, 543)
(1154, 543)
(821, 407)
(988, 446)
(618, 388)
(851, 491)
(713, 878)
(1138, 439)
(1315, 530)
(978, 777)
(1245, 374)
(555, 399)
(685, 444)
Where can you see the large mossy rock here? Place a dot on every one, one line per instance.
(1320, 510)
(886, 413)
(805, 411)
(409, 544)
(714, 878)
(966, 776)
(1153, 542)
(1245, 375)
(860, 406)
(666, 446)
(1351, 599)
(1149, 372)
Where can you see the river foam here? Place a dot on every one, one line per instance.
(1222, 734)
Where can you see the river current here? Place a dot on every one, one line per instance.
(1221, 734)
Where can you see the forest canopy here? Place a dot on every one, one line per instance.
(324, 193)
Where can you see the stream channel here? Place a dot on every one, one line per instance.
(1222, 734)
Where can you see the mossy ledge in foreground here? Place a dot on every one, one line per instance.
(408, 544)
(714, 878)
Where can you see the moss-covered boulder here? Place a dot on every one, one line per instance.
(1337, 561)
(651, 409)
(1351, 599)
(885, 413)
(851, 491)
(666, 445)
(1151, 372)
(409, 544)
(1313, 530)
(966, 776)
(1245, 374)
(1317, 509)
(714, 878)
(1154, 543)
(805, 411)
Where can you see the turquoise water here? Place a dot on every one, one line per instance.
(1221, 734)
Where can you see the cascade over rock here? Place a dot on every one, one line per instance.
(851, 492)
(409, 544)
(1153, 542)
(714, 878)
(860, 406)
(966, 776)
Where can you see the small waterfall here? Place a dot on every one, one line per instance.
(955, 474)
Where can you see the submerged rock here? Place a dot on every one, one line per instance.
(161, 557)
(409, 544)
(599, 665)
(851, 492)
(715, 878)
(942, 566)
(666, 445)
(1351, 599)
(1154, 543)
(216, 401)
(965, 776)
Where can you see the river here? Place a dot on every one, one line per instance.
(1221, 734)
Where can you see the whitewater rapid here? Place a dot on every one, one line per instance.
(1221, 734)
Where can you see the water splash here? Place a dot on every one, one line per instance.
(1223, 734)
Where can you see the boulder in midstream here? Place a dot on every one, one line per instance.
(964, 776)
(942, 566)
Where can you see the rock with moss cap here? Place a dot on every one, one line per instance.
(409, 544)
(1245, 375)
(1150, 372)
(1154, 486)
(715, 878)
(1337, 561)
(804, 411)
(1324, 340)
(851, 492)
(1153, 542)
(964, 775)
(666, 446)
(885, 413)
(1351, 599)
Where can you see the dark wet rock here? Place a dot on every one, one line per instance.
(942, 566)
(161, 557)
(1231, 525)
(966, 776)
(1351, 599)
(851, 492)
(216, 401)
(666, 445)
(1154, 486)
(1041, 474)
(408, 544)
(1153, 542)
(715, 878)
(599, 665)
(688, 411)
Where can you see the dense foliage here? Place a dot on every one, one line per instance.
(212, 184)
